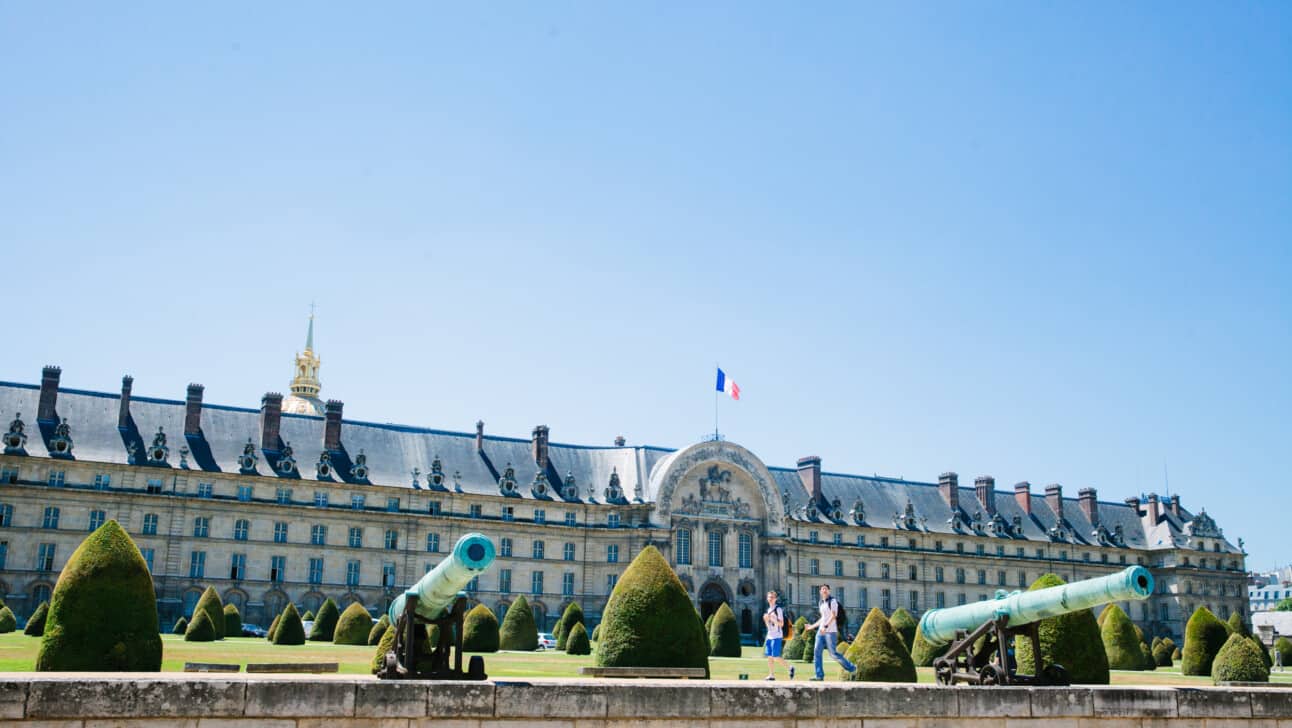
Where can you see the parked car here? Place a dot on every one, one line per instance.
(546, 641)
(253, 630)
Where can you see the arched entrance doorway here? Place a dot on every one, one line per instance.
(712, 595)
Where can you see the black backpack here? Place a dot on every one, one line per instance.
(841, 618)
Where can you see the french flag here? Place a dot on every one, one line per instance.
(728, 387)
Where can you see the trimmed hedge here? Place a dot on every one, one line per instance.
(1120, 643)
(1239, 660)
(181, 626)
(724, 633)
(103, 614)
(36, 624)
(200, 629)
(905, 625)
(1284, 646)
(576, 642)
(879, 653)
(1204, 635)
(923, 653)
(480, 630)
(308, 616)
(1071, 640)
(353, 626)
(518, 631)
(649, 620)
(290, 630)
(384, 645)
(572, 615)
(596, 632)
(232, 621)
(324, 627)
(273, 627)
(1235, 623)
(794, 649)
(8, 622)
(214, 608)
(1162, 653)
(809, 645)
(378, 629)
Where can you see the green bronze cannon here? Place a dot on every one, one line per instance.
(1016, 614)
(437, 599)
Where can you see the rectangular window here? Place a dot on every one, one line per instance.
(1040, 553)
(154, 486)
(504, 581)
(51, 518)
(433, 508)
(540, 515)
(433, 542)
(937, 545)
(913, 572)
(148, 557)
(539, 549)
(150, 524)
(863, 599)
(940, 600)
(96, 519)
(9, 475)
(205, 490)
(937, 574)
(567, 552)
(914, 599)
(812, 537)
(1000, 550)
(861, 539)
(102, 481)
(245, 493)
(357, 501)
(352, 573)
(982, 576)
(201, 527)
(838, 539)
(196, 564)
(356, 537)
(392, 505)
(1022, 578)
(571, 519)
(814, 567)
(683, 546)
(960, 600)
(45, 557)
(960, 575)
(320, 499)
(277, 568)
(960, 547)
(612, 520)
(612, 553)
(316, 570)
(508, 513)
(715, 548)
(536, 583)
(280, 532)
(6, 515)
(978, 548)
(883, 542)
(57, 478)
(746, 554)
(318, 534)
(611, 580)
(567, 584)
(283, 496)
(504, 546)
(392, 539)
(1019, 552)
(475, 511)
(838, 568)
(237, 566)
(1000, 578)
(886, 600)
(388, 575)
(861, 569)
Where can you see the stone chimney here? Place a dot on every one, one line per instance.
(193, 410)
(949, 487)
(1054, 499)
(123, 415)
(48, 394)
(985, 488)
(1175, 506)
(538, 446)
(332, 425)
(620, 441)
(271, 415)
(1154, 510)
(810, 474)
(479, 435)
(1023, 496)
(1133, 502)
(1088, 499)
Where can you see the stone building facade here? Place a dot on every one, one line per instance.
(272, 506)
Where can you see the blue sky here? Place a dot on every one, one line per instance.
(1041, 241)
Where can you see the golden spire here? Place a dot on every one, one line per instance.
(305, 382)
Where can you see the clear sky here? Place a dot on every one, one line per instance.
(1042, 241)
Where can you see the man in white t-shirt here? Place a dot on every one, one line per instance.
(774, 618)
(827, 633)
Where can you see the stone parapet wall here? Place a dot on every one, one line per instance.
(99, 701)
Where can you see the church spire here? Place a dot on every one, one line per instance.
(305, 380)
(309, 336)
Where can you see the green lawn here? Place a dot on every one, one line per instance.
(18, 654)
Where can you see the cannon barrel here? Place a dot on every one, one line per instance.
(438, 589)
(1023, 607)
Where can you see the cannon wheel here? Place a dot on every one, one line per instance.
(1055, 675)
(942, 671)
(989, 675)
(475, 668)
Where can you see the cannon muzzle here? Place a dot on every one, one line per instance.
(437, 591)
(1020, 608)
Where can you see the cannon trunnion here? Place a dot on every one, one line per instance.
(437, 599)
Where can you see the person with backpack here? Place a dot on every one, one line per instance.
(827, 634)
(774, 618)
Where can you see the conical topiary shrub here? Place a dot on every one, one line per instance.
(181, 626)
(273, 627)
(353, 626)
(576, 642)
(797, 645)
(1162, 655)
(8, 622)
(308, 616)
(596, 631)
(214, 608)
(724, 633)
(809, 645)
(905, 625)
(36, 625)
(290, 630)
(1265, 653)
(1146, 655)
(480, 630)
(1071, 640)
(378, 629)
(572, 615)
(384, 645)
(200, 629)
(1239, 660)
(923, 652)
(1204, 635)
(1120, 644)
(878, 652)
(325, 622)
(518, 631)
(232, 621)
(1235, 623)
(648, 603)
(103, 614)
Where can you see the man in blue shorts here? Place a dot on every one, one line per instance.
(774, 618)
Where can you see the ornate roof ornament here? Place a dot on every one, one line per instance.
(613, 490)
(507, 483)
(998, 526)
(858, 513)
(1203, 525)
(15, 440)
(360, 469)
(183, 456)
(60, 445)
(956, 521)
(457, 481)
(836, 510)
(247, 460)
(907, 519)
(570, 490)
(131, 450)
(539, 486)
(417, 473)
(324, 466)
(158, 451)
(436, 478)
(287, 461)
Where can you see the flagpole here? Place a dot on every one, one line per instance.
(715, 405)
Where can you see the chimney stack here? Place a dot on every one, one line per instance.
(1133, 502)
(620, 441)
(985, 487)
(1154, 511)
(48, 394)
(332, 425)
(479, 435)
(123, 415)
(271, 415)
(949, 487)
(1054, 498)
(193, 410)
(810, 474)
(538, 446)
(1088, 500)
(1023, 495)
(1175, 506)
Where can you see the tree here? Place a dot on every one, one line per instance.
(353, 626)
(1120, 643)
(290, 630)
(210, 603)
(308, 616)
(1162, 654)
(1071, 640)
(273, 627)
(378, 629)
(724, 633)
(384, 645)
(480, 630)
(1284, 605)
(232, 621)
(103, 613)
(596, 632)
(324, 626)
(181, 626)
(36, 624)
(905, 625)
(923, 652)
(572, 615)
(879, 653)
(8, 622)
(1204, 635)
(649, 620)
(518, 631)
(201, 629)
(576, 642)
(1236, 625)
(1239, 660)
(797, 645)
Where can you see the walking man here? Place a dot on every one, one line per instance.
(774, 618)
(827, 633)
(1278, 662)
